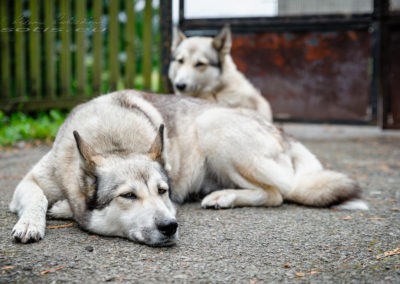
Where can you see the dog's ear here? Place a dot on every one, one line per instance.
(89, 157)
(157, 148)
(223, 41)
(177, 37)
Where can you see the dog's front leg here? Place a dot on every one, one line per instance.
(30, 203)
(230, 198)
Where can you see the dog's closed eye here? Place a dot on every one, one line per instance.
(162, 190)
(199, 64)
(129, 195)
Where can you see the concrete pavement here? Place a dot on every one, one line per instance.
(289, 244)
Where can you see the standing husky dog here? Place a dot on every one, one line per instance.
(202, 67)
(113, 168)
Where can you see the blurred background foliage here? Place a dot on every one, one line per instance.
(24, 122)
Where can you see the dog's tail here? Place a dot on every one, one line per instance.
(315, 186)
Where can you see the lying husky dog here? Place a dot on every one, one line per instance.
(203, 67)
(118, 159)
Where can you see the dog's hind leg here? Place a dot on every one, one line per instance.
(260, 187)
(30, 203)
(230, 198)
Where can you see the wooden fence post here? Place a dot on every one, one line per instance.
(49, 37)
(130, 33)
(147, 44)
(5, 50)
(65, 64)
(34, 49)
(113, 43)
(80, 44)
(97, 47)
(20, 65)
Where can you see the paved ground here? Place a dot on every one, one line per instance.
(248, 245)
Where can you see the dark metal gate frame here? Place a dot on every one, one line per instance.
(378, 23)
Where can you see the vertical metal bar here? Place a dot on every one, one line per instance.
(80, 32)
(165, 44)
(130, 33)
(379, 96)
(181, 11)
(20, 79)
(34, 49)
(49, 37)
(97, 47)
(113, 41)
(376, 87)
(65, 65)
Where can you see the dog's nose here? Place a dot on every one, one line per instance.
(168, 228)
(180, 86)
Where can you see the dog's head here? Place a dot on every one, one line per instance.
(197, 62)
(127, 195)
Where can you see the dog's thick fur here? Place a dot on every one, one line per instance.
(202, 67)
(106, 170)
(113, 163)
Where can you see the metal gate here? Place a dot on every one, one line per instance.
(332, 63)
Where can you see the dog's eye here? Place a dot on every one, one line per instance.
(199, 64)
(180, 60)
(129, 195)
(162, 190)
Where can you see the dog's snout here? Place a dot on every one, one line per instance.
(168, 228)
(180, 86)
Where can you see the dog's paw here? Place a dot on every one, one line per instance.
(26, 231)
(219, 200)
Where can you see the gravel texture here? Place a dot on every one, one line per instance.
(289, 244)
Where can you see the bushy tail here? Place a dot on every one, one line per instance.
(315, 186)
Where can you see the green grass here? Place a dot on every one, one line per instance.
(23, 127)
(20, 126)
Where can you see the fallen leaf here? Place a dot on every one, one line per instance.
(7, 267)
(300, 274)
(376, 218)
(60, 226)
(347, 218)
(53, 269)
(389, 253)
(384, 168)
(312, 272)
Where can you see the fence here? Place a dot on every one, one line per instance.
(60, 53)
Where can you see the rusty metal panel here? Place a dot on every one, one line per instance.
(316, 76)
(391, 81)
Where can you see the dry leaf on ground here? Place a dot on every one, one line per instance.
(53, 269)
(389, 253)
(60, 226)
